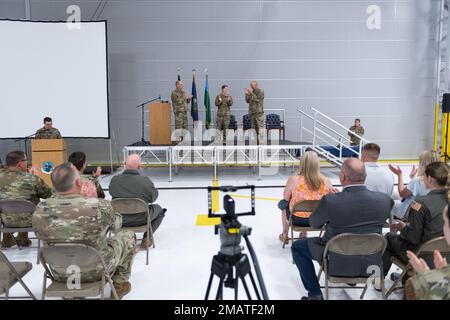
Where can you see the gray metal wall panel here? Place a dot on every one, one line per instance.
(304, 53)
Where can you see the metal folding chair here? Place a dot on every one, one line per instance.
(17, 207)
(301, 206)
(132, 206)
(61, 260)
(426, 252)
(11, 273)
(349, 244)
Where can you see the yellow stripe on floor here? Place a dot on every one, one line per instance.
(204, 220)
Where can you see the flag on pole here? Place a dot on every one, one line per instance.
(207, 102)
(194, 105)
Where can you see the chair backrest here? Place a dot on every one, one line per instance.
(16, 206)
(426, 250)
(233, 123)
(58, 257)
(351, 244)
(305, 206)
(246, 121)
(273, 121)
(129, 205)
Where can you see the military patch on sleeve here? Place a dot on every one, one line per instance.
(416, 206)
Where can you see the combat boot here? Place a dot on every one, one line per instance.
(7, 241)
(22, 239)
(122, 289)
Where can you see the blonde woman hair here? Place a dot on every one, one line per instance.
(310, 170)
(425, 158)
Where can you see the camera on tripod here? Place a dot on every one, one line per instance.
(230, 264)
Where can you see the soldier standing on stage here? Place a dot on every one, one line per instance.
(254, 96)
(179, 104)
(223, 102)
(359, 130)
(47, 131)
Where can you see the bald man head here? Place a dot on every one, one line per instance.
(353, 171)
(133, 162)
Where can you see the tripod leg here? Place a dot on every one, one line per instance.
(219, 295)
(209, 285)
(236, 284)
(254, 285)
(246, 288)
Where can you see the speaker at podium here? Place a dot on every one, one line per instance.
(160, 123)
(46, 155)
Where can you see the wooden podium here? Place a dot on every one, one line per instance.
(47, 154)
(160, 123)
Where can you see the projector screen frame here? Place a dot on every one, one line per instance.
(105, 22)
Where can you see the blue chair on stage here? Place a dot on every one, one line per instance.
(233, 123)
(273, 122)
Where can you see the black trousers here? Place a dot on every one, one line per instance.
(157, 215)
(297, 221)
(396, 247)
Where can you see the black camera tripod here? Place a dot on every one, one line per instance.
(230, 269)
(231, 265)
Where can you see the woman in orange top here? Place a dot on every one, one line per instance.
(308, 184)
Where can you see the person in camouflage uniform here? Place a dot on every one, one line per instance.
(254, 96)
(78, 159)
(359, 130)
(430, 284)
(70, 216)
(179, 101)
(17, 183)
(47, 131)
(223, 102)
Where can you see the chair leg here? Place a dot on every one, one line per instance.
(8, 281)
(363, 293)
(320, 273)
(113, 290)
(383, 289)
(39, 249)
(15, 241)
(400, 278)
(327, 293)
(25, 287)
(102, 289)
(44, 285)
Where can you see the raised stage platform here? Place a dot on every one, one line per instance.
(205, 153)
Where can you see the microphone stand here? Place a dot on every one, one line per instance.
(25, 142)
(142, 105)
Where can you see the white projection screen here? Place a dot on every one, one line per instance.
(47, 69)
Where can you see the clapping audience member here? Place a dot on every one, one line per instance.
(416, 186)
(430, 284)
(78, 159)
(424, 218)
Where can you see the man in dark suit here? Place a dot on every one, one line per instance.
(354, 210)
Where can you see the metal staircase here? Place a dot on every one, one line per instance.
(329, 138)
